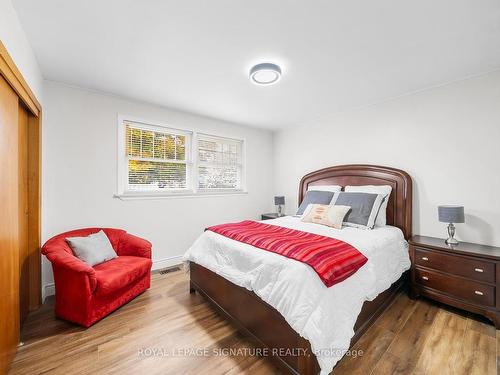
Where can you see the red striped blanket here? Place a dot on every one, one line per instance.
(332, 259)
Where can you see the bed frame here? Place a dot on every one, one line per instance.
(265, 326)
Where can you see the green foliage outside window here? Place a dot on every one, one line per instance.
(162, 149)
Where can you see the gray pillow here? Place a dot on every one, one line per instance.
(93, 249)
(315, 197)
(364, 208)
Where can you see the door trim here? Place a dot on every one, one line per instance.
(13, 76)
(16, 80)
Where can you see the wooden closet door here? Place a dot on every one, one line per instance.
(24, 266)
(9, 225)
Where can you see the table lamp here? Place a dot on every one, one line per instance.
(280, 202)
(451, 215)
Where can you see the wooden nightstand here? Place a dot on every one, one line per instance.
(466, 276)
(272, 215)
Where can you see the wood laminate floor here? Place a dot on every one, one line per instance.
(166, 330)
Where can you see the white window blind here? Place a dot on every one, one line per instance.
(157, 158)
(220, 163)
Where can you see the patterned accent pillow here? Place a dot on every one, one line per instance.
(331, 216)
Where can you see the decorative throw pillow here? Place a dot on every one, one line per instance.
(375, 189)
(315, 197)
(323, 214)
(93, 249)
(364, 208)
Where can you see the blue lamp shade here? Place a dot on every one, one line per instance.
(451, 214)
(279, 200)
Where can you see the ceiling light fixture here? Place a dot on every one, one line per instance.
(265, 74)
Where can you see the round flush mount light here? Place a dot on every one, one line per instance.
(265, 74)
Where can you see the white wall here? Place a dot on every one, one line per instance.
(14, 39)
(80, 174)
(446, 138)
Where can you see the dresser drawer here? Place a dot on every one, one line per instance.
(471, 268)
(467, 290)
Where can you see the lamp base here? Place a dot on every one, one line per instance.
(451, 241)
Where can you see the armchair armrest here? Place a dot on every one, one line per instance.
(135, 246)
(62, 259)
(73, 268)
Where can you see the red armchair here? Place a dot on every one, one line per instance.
(86, 294)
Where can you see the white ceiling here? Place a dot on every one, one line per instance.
(195, 55)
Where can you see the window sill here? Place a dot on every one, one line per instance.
(200, 194)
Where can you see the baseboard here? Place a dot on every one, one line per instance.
(167, 262)
(50, 290)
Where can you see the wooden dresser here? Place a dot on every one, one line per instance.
(466, 276)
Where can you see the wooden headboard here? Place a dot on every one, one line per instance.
(399, 207)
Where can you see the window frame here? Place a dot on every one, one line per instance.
(192, 162)
(197, 163)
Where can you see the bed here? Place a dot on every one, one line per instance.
(246, 306)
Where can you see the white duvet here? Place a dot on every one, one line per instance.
(324, 316)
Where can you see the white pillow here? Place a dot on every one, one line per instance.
(375, 189)
(332, 188)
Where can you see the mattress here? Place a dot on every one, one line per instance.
(324, 316)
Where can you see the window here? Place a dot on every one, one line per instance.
(219, 163)
(155, 159)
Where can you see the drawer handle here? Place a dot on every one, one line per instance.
(478, 292)
(425, 278)
(480, 270)
(425, 258)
